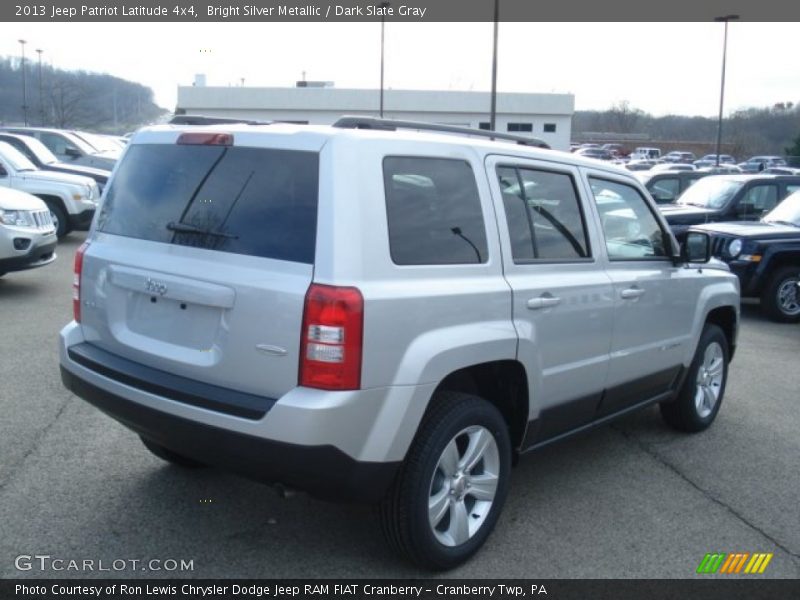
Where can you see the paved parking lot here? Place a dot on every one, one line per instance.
(634, 499)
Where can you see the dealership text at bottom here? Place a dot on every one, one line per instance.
(200, 591)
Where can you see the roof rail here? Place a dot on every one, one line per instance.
(204, 120)
(354, 122)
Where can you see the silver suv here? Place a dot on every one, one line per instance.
(372, 313)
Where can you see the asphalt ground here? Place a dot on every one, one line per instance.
(634, 499)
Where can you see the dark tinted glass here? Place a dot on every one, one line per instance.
(254, 201)
(543, 214)
(434, 212)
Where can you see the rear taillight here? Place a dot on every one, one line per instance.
(330, 347)
(76, 281)
(202, 138)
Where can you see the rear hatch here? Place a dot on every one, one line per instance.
(203, 252)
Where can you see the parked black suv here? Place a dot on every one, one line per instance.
(728, 198)
(766, 257)
(667, 186)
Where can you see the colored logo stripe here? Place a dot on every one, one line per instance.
(734, 563)
(758, 563)
(710, 563)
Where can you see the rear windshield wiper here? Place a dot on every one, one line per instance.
(184, 228)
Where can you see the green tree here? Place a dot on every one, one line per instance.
(794, 149)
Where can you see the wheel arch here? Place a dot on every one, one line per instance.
(726, 319)
(502, 383)
(58, 200)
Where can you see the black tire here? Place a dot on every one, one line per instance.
(684, 413)
(170, 456)
(774, 302)
(59, 218)
(404, 511)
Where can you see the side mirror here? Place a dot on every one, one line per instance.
(3, 172)
(696, 247)
(72, 153)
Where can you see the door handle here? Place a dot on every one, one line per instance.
(632, 293)
(543, 302)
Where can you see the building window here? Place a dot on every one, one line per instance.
(484, 125)
(549, 127)
(519, 127)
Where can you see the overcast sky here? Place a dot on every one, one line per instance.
(658, 67)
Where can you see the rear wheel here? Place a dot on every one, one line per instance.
(780, 300)
(699, 399)
(170, 456)
(452, 486)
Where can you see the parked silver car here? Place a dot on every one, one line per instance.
(27, 234)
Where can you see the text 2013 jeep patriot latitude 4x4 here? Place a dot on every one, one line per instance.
(386, 315)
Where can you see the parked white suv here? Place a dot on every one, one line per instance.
(71, 199)
(27, 235)
(645, 154)
(372, 313)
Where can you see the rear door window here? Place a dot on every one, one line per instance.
(666, 190)
(434, 212)
(543, 214)
(757, 201)
(254, 201)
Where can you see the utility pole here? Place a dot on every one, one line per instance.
(41, 95)
(384, 6)
(493, 110)
(24, 85)
(725, 20)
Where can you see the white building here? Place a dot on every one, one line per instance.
(545, 116)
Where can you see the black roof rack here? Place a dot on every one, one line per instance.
(352, 122)
(204, 120)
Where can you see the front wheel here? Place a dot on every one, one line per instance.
(452, 486)
(699, 399)
(781, 297)
(59, 218)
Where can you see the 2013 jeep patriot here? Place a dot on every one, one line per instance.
(387, 315)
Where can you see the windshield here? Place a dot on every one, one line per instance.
(98, 141)
(82, 144)
(17, 160)
(710, 192)
(787, 211)
(40, 151)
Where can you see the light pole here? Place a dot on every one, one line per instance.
(41, 95)
(725, 20)
(24, 85)
(384, 6)
(493, 109)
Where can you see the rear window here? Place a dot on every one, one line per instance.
(254, 201)
(434, 212)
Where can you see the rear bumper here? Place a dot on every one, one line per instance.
(335, 445)
(323, 471)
